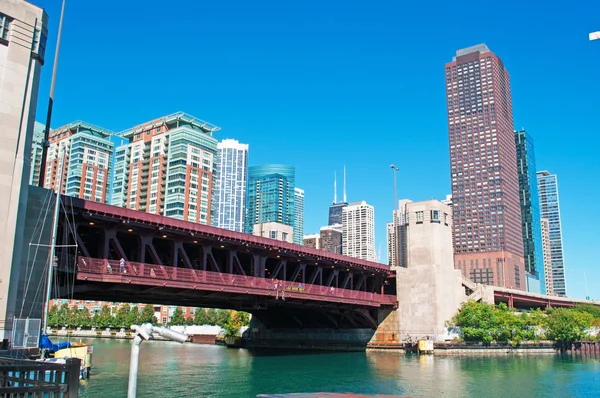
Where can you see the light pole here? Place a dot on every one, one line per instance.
(144, 332)
(395, 169)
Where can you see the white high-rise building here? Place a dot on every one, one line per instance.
(230, 190)
(400, 218)
(358, 231)
(298, 216)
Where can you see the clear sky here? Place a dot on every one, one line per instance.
(320, 84)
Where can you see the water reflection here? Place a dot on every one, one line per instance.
(173, 370)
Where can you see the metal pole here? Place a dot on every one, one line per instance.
(587, 296)
(51, 101)
(53, 242)
(133, 366)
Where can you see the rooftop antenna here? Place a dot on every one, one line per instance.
(334, 187)
(345, 184)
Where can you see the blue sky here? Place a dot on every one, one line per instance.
(320, 84)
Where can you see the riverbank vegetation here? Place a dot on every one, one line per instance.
(125, 316)
(487, 323)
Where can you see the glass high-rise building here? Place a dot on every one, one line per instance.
(335, 209)
(270, 195)
(298, 216)
(230, 190)
(550, 210)
(488, 238)
(37, 147)
(168, 168)
(88, 161)
(530, 213)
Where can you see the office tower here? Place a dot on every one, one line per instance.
(230, 192)
(331, 238)
(168, 168)
(550, 210)
(313, 241)
(483, 161)
(274, 230)
(400, 219)
(530, 213)
(23, 35)
(298, 216)
(88, 160)
(270, 195)
(547, 257)
(37, 148)
(358, 234)
(335, 210)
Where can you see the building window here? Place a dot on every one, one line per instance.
(273, 234)
(164, 320)
(435, 216)
(419, 217)
(284, 236)
(4, 26)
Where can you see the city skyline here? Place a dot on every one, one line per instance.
(531, 96)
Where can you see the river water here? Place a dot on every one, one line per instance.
(170, 369)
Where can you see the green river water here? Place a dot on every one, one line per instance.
(169, 369)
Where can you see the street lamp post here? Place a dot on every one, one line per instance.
(395, 217)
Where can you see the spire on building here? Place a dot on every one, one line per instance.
(334, 187)
(345, 201)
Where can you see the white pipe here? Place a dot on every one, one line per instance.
(133, 366)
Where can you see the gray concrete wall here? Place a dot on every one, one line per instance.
(20, 66)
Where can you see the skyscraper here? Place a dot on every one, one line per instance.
(313, 241)
(168, 168)
(298, 216)
(270, 195)
(331, 238)
(88, 161)
(483, 161)
(358, 221)
(37, 146)
(335, 210)
(401, 224)
(547, 257)
(530, 213)
(232, 178)
(550, 209)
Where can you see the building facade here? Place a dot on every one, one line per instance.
(37, 147)
(547, 256)
(298, 216)
(23, 34)
(335, 213)
(483, 162)
(168, 168)
(358, 231)
(550, 210)
(331, 238)
(274, 230)
(313, 241)
(270, 195)
(88, 154)
(232, 179)
(530, 213)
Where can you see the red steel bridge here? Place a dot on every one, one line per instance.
(168, 261)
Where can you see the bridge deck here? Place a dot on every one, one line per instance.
(98, 270)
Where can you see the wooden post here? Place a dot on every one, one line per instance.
(73, 368)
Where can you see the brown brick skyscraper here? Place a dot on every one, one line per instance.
(488, 237)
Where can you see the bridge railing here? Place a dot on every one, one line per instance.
(275, 287)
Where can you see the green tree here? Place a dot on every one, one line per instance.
(476, 321)
(104, 319)
(177, 318)
(122, 315)
(211, 317)
(566, 326)
(133, 316)
(235, 322)
(590, 309)
(64, 315)
(222, 318)
(82, 318)
(200, 317)
(53, 320)
(147, 315)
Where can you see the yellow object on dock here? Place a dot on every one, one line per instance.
(425, 346)
(78, 350)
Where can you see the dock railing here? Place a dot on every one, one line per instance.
(26, 378)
